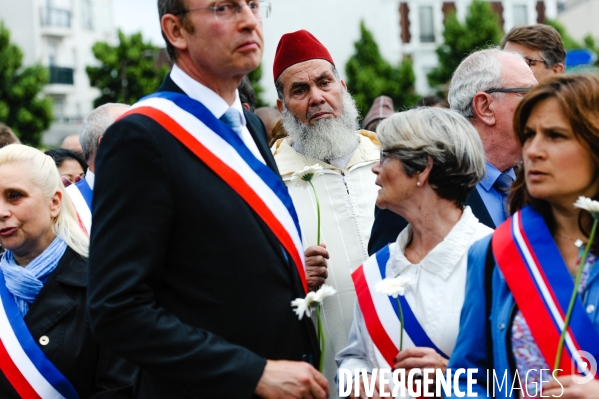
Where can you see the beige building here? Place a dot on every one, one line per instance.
(580, 18)
(59, 34)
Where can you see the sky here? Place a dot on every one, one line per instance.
(138, 15)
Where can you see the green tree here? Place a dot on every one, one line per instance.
(254, 78)
(22, 107)
(567, 40)
(480, 30)
(370, 76)
(127, 72)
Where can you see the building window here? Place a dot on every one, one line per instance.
(520, 15)
(427, 27)
(87, 14)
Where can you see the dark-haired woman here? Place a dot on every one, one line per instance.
(518, 298)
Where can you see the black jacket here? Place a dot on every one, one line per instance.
(387, 224)
(186, 281)
(59, 314)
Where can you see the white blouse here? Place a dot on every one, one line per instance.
(435, 293)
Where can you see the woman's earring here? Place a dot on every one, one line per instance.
(418, 184)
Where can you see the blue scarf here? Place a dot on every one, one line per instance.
(25, 283)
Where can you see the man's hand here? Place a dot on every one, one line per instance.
(285, 379)
(316, 265)
(420, 358)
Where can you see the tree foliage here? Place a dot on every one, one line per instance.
(127, 72)
(480, 30)
(254, 78)
(22, 107)
(370, 76)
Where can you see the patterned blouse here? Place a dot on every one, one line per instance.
(526, 352)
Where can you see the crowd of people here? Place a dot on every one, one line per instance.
(201, 237)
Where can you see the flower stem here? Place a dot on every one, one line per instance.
(583, 260)
(317, 212)
(321, 340)
(401, 321)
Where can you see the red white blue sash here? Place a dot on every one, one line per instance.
(540, 282)
(223, 151)
(81, 196)
(381, 314)
(22, 362)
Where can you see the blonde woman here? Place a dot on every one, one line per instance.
(46, 346)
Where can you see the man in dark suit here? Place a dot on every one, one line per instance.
(485, 88)
(188, 279)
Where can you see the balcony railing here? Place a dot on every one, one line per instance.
(59, 75)
(56, 17)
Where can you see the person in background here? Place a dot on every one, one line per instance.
(382, 108)
(43, 286)
(70, 164)
(485, 88)
(432, 101)
(541, 46)
(7, 136)
(278, 132)
(92, 131)
(431, 158)
(507, 323)
(269, 116)
(247, 95)
(71, 142)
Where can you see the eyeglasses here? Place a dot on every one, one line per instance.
(228, 10)
(532, 62)
(509, 90)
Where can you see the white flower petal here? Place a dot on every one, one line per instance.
(324, 292)
(301, 178)
(392, 286)
(588, 205)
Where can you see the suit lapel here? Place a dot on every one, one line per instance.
(479, 208)
(53, 303)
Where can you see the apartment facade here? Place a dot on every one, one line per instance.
(412, 27)
(59, 34)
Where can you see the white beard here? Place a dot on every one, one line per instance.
(329, 138)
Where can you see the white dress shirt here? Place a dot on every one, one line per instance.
(215, 104)
(435, 293)
(91, 178)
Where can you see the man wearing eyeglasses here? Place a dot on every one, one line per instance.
(485, 88)
(195, 253)
(541, 46)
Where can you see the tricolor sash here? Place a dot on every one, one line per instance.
(225, 153)
(541, 285)
(81, 196)
(22, 362)
(381, 314)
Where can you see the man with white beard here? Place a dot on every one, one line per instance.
(321, 119)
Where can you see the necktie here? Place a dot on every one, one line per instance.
(503, 185)
(231, 118)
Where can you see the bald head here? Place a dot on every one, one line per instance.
(94, 126)
(71, 142)
(269, 117)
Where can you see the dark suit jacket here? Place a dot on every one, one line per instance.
(59, 313)
(186, 281)
(387, 224)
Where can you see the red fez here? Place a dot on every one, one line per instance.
(298, 47)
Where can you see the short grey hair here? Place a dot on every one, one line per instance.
(444, 136)
(279, 84)
(94, 126)
(478, 72)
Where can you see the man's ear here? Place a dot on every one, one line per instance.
(483, 108)
(343, 84)
(279, 105)
(558, 68)
(173, 29)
